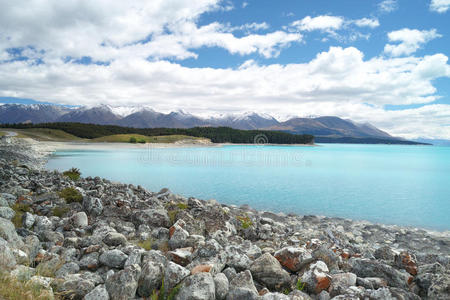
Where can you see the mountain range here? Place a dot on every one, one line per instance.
(326, 126)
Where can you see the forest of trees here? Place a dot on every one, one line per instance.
(215, 134)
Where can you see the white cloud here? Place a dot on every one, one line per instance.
(409, 40)
(388, 6)
(244, 4)
(324, 23)
(251, 27)
(106, 31)
(440, 6)
(338, 82)
(366, 22)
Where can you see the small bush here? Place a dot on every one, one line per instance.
(60, 211)
(147, 244)
(141, 141)
(182, 205)
(133, 140)
(73, 174)
(20, 209)
(246, 222)
(71, 195)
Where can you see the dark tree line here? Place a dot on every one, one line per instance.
(215, 134)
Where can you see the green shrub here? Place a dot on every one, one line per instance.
(246, 222)
(60, 211)
(73, 174)
(133, 140)
(20, 209)
(141, 141)
(70, 194)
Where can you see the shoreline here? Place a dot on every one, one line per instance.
(205, 245)
(47, 148)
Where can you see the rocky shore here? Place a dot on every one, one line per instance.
(89, 238)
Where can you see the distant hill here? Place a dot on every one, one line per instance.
(329, 128)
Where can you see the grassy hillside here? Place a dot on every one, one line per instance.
(44, 134)
(125, 138)
(214, 134)
(2, 133)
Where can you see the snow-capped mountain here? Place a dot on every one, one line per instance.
(31, 113)
(102, 115)
(145, 117)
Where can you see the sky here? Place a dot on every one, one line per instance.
(384, 62)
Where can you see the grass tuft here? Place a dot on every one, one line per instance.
(73, 174)
(13, 289)
(146, 244)
(20, 209)
(71, 195)
(60, 211)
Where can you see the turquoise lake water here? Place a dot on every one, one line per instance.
(404, 185)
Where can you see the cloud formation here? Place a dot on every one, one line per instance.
(388, 6)
(410, 40)
(440, 6)
(131, 53)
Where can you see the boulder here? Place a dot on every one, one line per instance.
(222, 285)
(80, 220)
(242, 287)
(28, 220)
(7, 258)
(197, 287)
(173, 275)
(113, 258)
(74, 286)
(115, 239)
(340, 282)
(316, 278)
(6, 212)
(90, 261)
(440, 287)
(123, 284)
(9, 234)
(151, 277)
(293, 258)
(93, 206)
(152, 217)
(268, 271)
(178, 237)
(405, 261)
(363, 267)
(99, 293)
(67, 269)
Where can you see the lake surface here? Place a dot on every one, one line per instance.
(404, 185)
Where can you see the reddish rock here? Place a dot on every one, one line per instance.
(92, 248)
(323, 283)
(181, 256)
(406, 261)
(293, 258)
(201, 269)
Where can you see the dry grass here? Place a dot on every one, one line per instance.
(13, 289)
(147, 244)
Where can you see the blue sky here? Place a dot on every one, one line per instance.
(383, 62)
